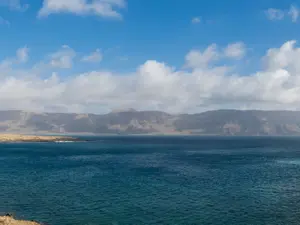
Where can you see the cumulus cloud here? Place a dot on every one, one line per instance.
(63, 58)
(94, 57)
(103, 8)
(157, 86)
(204, 59)
(14, 5)
(196, 58)
(235, 50)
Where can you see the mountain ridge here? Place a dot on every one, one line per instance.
(215, 122)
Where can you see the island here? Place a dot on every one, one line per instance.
(9, 220)
(35, 138)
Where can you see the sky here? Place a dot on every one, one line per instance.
(95, 56)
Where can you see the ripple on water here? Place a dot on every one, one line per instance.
(127, 182)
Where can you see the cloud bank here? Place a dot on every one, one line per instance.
(199, 86)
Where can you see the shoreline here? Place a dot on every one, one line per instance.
(21, 138)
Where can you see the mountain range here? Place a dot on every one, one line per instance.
(219, 122)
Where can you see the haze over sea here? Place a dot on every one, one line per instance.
(154, 180)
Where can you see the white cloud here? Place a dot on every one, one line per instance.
(196, 58)
(63, 58)
(286, 57)
(203, 59)
(274, 14)
(196, 20)
(14, 5)
(103, 8)
(23, 54)
(94, 57)
(278, 14)
(294, 13)
(4, 21)
(157, 86)
(235, 50)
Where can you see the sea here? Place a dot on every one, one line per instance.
(173, 180)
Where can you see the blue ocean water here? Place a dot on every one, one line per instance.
(153, 180)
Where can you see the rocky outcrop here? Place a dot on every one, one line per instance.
(8, 220)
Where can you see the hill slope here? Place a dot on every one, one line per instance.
(220, 122)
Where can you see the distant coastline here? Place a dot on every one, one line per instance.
(132, 122)
(35, 138)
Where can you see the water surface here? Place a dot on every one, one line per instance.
(153, 180)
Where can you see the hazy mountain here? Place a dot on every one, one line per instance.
(221, 122)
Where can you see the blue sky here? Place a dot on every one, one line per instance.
(126, 38)
(160, 30)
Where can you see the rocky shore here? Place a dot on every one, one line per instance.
(35, 138)
(9, 220)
